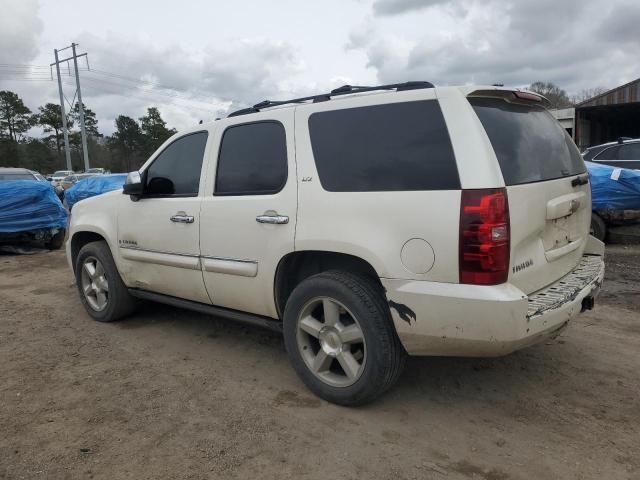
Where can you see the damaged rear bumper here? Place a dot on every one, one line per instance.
(470, 320)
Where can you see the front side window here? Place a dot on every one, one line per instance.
(252, 159)
(390, 147)
(176, 170)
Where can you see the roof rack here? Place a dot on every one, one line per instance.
(344, 90)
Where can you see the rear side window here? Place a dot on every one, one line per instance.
(530, 144)
(630, 151)
(391, 147)
(252, 159)
(176, 170)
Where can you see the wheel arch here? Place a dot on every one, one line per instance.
(296, 266)
(80, 238)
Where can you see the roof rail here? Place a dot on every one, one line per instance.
(344, 90)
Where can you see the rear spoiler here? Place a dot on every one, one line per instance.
(526, 97)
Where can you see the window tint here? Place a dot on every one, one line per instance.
(392, 147)
(176, 170)
(530, 144)
(630, 151)
(609, 153)
(592, 152)
(252, 159)
(16, 176)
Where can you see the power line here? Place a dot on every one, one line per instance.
(147, 96)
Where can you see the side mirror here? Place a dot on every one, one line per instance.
(133, 185)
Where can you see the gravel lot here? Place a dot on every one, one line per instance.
(174, 394)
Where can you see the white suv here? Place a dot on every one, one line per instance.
(364, 224)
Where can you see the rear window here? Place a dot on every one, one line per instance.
(530, 144)
(16, 176)
(392, 147)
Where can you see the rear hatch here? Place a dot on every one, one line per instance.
(546, 182)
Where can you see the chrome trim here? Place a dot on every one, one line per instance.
(182, 218)
(208, 263)
(230, 259)
(130, 247)
(230, 266)
(273, 219)
(169, 259)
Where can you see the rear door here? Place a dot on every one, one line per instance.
(547, 189)
(248, 215)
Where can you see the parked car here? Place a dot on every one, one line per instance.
(624, 153)
(56, 177)
(69, 181)
(616, 197)
(365, 224)
(95, 185)
(25, 174)
(19, 174)
(30, 212)
(99, 171)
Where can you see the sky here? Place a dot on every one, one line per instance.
(199, 59)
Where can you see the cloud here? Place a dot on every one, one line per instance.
(128, 75)
(20, 27)
(574, 43)
(395, 7)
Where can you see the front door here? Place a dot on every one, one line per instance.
(159, 235)
(248, 213)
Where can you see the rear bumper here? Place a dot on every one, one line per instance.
(470, 320)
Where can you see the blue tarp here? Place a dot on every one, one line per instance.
(92, 186)
(613, 187)
(26, 206)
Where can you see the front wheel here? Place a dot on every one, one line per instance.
(103, 294)
(340, 338)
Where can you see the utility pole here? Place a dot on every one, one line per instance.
(67, 153)
(57, 63)
(83, 132)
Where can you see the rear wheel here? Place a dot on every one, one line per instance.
(102, 292)
(340, 338)
(598, 227)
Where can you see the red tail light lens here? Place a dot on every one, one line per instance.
(484, 236)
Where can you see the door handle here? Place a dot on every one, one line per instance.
(181, 217)
(273, 219)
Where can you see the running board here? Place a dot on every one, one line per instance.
(248, 318)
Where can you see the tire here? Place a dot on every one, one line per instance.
(118, 303)
(360, 303)
(56, 241)
(598, 227)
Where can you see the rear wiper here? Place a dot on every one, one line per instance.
(581, 180)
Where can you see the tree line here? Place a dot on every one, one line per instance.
(125, 150)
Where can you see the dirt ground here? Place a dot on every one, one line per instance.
(174, 394)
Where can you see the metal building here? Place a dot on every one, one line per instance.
(609, 116)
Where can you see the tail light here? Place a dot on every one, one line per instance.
(484, 236)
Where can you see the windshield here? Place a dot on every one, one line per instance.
(16, 176)
(530, 144)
